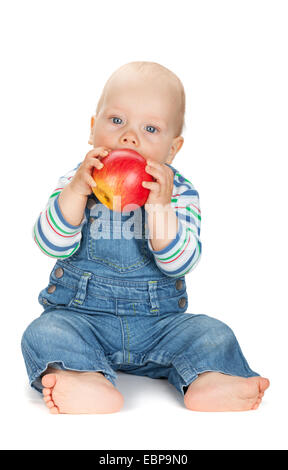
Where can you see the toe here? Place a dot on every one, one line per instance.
(49, 380)
(48, 398)
(50, 404)
(256, 404)
(46, 392)
(263, 384)
(54, 410)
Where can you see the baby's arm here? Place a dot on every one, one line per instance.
(55, 236)
(57, 230)
(183, 253)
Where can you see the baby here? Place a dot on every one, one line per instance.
(119, 302)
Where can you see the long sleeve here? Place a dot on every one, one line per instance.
(51, 232)
(183, 253)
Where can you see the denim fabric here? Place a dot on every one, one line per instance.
(108, 307)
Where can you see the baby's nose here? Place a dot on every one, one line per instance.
(129, 139)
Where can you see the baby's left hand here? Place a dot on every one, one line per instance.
(161, 189)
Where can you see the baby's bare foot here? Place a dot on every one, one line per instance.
(213, 391)
(72, 392)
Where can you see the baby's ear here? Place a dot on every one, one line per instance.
(175, 147)
(92, 122)
(179, 141)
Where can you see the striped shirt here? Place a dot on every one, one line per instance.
(59, 239)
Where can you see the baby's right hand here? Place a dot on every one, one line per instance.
(82, 181)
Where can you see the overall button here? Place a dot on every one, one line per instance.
(182, 302)
(52, 289)
(179, 284)
(59, 273)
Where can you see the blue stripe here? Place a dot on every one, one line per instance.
(60, 216)
(172, 244)
(186, 217)
(184, 266)
(172, 168)
(181, 184)
(49, 244)
(190, 192)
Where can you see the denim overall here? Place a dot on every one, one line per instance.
(108, 307)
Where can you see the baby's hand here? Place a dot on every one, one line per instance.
(162, 186)
(82, 181)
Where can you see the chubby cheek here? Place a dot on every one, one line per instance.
(157, 152)
(103, 138)
(154, 154)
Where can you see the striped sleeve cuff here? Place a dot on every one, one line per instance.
(63, 225)
(53, 234)
(181, 255)
(171, 245)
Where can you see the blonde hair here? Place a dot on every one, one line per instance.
(160, 71)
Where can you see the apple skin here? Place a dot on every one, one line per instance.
(122, 175)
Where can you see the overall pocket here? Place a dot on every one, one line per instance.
(117, 240)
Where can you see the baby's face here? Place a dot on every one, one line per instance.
(138, 115)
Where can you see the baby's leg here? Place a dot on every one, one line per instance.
(206, 359)
(67, 340)
(219, 351)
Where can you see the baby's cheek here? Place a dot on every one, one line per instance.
(156, 153)
(102, 138)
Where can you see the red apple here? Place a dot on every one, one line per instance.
(122, 175)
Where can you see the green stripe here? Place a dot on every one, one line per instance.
(49, 254)
(169, 257)
(185, 179)
(189, 209)
(54, 194)
(57, 226)
(193, 212)
(189, 269)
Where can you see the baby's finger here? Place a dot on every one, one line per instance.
(95, 162)
(100, 149)
(103, 152)
(91, 181)
(156, 172)
(98, 152)
(151, 185)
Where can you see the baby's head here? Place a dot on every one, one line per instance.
(142, 107)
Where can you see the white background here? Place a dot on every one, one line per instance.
(232, 59)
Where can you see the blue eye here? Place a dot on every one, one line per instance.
(151, 127)
(115, 118)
